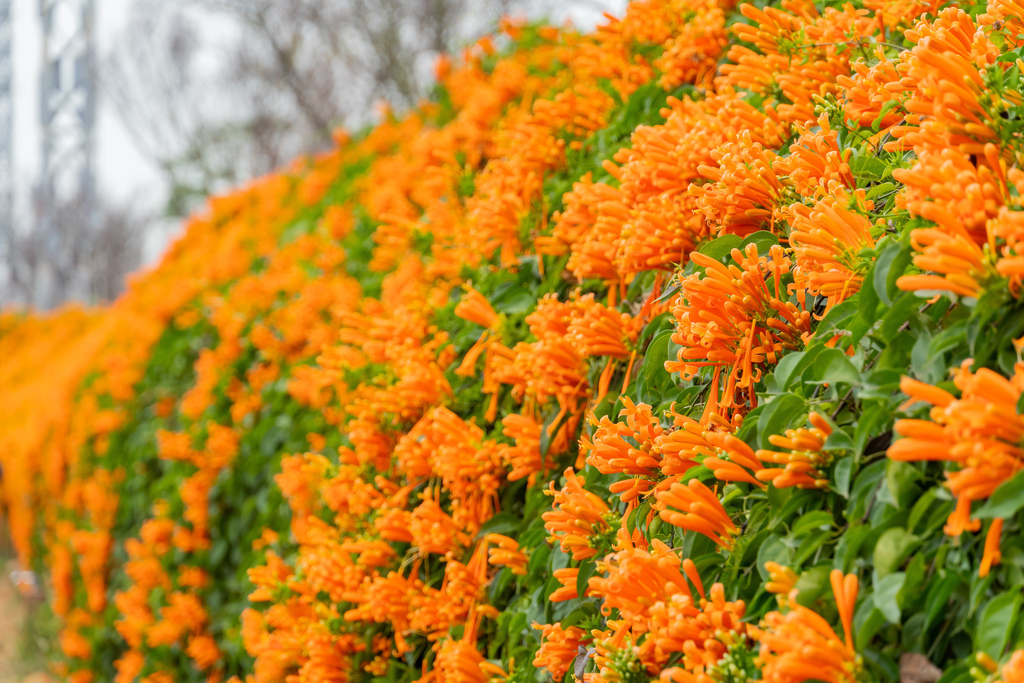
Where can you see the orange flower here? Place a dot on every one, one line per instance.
(964, 267)
(203, 651)
(949, 98)
(638, 579)
(802, 464)
(731, 318)
(567, 577)
(129, 666)
(799, 55)
(782, 579)
(433, 530)
(801, 646)
(979, 434)
(744, 194)
(629, 449)
(524, 457)
(992, 556)
(691, 53)
(1013, 670)
(816, 168)
(703, 630)
(827, 240)
(731, 458)
(578, 518)
(459, 661)
(597, 330)
(698, 510)
(559, 648)
(507, 554)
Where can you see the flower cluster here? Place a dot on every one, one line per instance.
(585, 368)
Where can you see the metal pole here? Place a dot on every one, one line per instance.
(6, 121)
(67, 117)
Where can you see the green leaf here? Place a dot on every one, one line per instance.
(870, 168)
(958, 673)
(937, 601)
(872, 418)
(1007, 499)
(656, 355)
(880, 273)
(995, 623)
(901, 479)
(502, 523)
(840, 318)
(892, 548)
(587, 569)
(785, 368)
(763, 239)
(842, 476)
(812, 521)
(720, 247)
(774, 549)
(880, 188)
(867, 623)
(779, 414)
(812, 584)
(876, 125)
(921, 506)
(832, 366)
(899, 313)
(838, 440)
(886, 590)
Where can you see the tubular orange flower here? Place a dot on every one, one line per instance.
(948, 58)
(506, 553)
(578, 517)
(1013, 670)
(444, 445)
(597, 330)
(963, 266)
(524, 457)
(801, 646)
(637, 579)
(702, 630)
(945, 187)
(802, 464)
(203, 651)
(867, 95)
(681, 446)
(979, 434)
(629, 449)
(459, 661)
(476, 309)
(816, 168)
(827, 240)
(732, 318)
(731, 458)
(559, 648)
(567, 577)
(782, 579)
(691, 54)
(433, 530)
(992, 556)
(799, 55)
(698, 510)
(744, 194)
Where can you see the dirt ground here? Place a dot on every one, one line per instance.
(13, 612)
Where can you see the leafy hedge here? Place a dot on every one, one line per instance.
(689, 350)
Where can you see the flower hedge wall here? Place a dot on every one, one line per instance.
(685, 350)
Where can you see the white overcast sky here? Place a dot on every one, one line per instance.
(122, 174)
